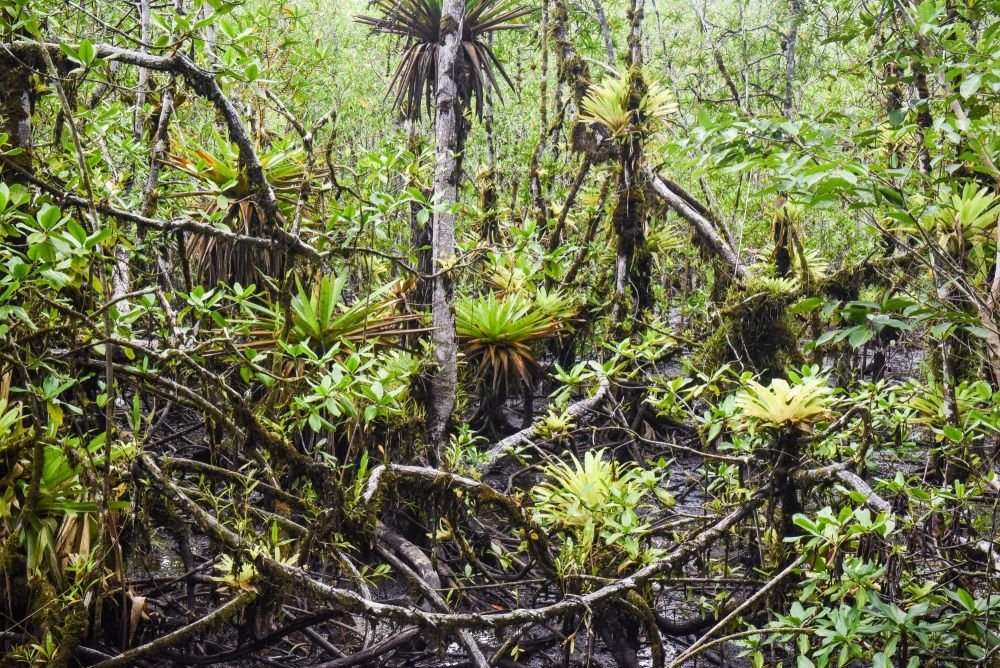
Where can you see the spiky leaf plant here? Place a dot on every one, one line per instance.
(974, 402)
(577, 493)
(817, 265)
(322, 316)
(965, 227)
(47, 510)
(284, 169)
(418, 22)
(219, 174)
(512, 272)
(497, 332)
(778, 286)
(782, 404)
(607, 104)
(594, 505)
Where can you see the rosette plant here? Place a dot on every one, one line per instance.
(418, 22)
(496, 333)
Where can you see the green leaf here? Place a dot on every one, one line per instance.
(953, 433)
(87, 53)
(828, 336)
(976, 330)
(860, 336)
(70, 52)
(970, 85)
(940, 330)
(806, 305)
(965, 598)
(804, 522)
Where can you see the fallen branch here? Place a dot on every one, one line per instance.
(432, 476)
(373, 652)
(302, 624)
(695, 649)
(704, 227)
(516, 513)
(523, 437)
(411, 553)
(428, 582)
(841, 472)
(204, 468)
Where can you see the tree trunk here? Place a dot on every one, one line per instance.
(488, 200)
(571, 68)
(791, 38)
(449, 133)
(121, 275)
(636, 14)
(420, 230)
(539, 208)
(632, 266)
(15, 115)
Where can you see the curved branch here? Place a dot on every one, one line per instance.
(524, 436)
(703, 227)
(205, 85)
(841, 472)
(210, 620)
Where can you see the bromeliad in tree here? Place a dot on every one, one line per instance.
(419, 22)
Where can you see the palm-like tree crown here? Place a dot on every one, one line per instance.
(419, 22)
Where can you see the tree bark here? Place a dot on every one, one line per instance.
(139, 116)
(420, 231)
(791, 38)
(570, 66)
(121, 275)
(449, 132)
(636, 14)
(687, 209)
(15, 115)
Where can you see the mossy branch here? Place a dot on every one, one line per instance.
(195, 629)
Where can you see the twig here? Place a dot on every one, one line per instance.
(696, 648)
